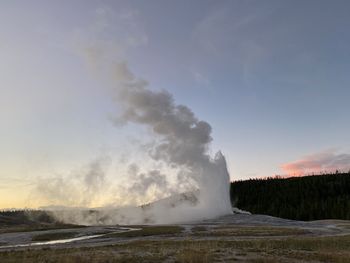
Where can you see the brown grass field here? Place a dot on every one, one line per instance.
(219, 242)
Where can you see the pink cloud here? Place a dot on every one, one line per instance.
(327, 161)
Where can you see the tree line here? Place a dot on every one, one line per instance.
(325, 196)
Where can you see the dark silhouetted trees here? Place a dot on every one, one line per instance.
(302, 198)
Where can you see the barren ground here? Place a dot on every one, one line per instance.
(232, 238)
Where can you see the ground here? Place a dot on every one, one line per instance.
(232, 238)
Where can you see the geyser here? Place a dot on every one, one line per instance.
(181, 142)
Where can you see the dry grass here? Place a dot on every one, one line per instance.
(193, 256)
(78, 256)
(252, 231)
(296, 249)
(198, 229)
(264, 260)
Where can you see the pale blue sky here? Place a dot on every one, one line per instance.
(271, 77)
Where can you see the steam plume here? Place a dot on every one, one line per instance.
(183, 139)
(181, 143)
(194, 184)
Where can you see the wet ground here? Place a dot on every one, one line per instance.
(230, 227)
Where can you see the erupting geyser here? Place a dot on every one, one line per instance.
(181, 142)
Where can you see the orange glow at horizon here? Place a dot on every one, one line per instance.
(323, 162)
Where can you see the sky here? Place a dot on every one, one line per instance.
(271, 78)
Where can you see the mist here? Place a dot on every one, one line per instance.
(176, 181)
(197, 186)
